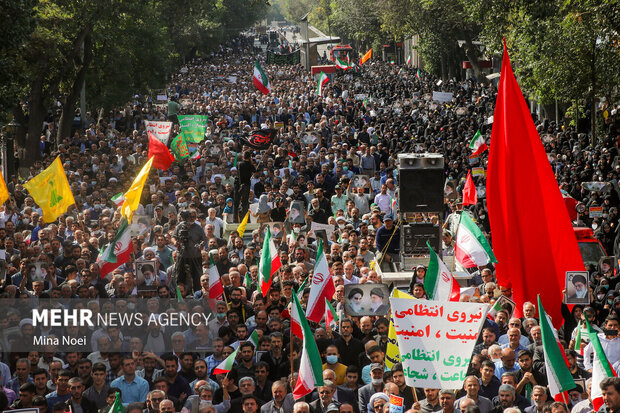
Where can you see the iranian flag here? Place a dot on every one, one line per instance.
(260, 79)
(117, 252)
(254, 339)
(296, 315)
(215, 283)
(331, 317)
(556, 365)
(247, 281)
(477, 145)
(310, 366)
(118, 199)
(579, 347)
(341, 64)
(196, 156)
(302, 287)
(417, 74)
(439, 283)
(269, 263)
(321, 288)
(493, 310)
(226, 365)
(409, 60)
(323, 79)
(601, 368)
(471, 248)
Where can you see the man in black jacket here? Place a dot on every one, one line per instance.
(77, 402)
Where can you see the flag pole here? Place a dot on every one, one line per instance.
(454, 238)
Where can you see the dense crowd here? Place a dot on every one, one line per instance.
(360, 125)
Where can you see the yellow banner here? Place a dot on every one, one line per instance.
(51, 191)
(392, 354)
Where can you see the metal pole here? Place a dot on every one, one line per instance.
(4, 157)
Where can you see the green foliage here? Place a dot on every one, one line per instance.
(16, 24)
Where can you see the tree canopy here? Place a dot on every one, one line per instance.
(52, 47)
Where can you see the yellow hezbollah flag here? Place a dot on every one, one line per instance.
(51, 191)
(4, 193)
(392, 354)
(133, 194)
(244, 223)
(367, 56)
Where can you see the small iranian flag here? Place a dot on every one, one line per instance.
(215, 283)
(118, 199)
(196, 156)
(117, 407)
(321, 288)
(260, 79)
(493, 311)
(393, 207)
(269, 263)
(226, 365)
(254, 339)
(556, 365)
(296, 315)
(331, 317)
(341, 64)
(601, 368)
(179, 295)
(477, 145)
(392, 62)
(409, 60)
(471, 248)
(247, 281)
(323, 79)
(310, 366)
(417, 74)
(439, 283)
(302, 287)
(117, 252)
(579, 347)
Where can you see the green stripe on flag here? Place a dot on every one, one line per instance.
(556, 365)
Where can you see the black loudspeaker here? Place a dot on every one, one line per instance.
(421, 178)
(415, 236)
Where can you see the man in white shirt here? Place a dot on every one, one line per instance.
(610, 342)
(217, 223)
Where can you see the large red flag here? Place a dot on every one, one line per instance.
(162, 156)
(469, 191)
(532, 235)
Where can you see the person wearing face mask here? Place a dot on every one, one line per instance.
(375, 386)
(235, 303)
(219, 320)
(332, 362)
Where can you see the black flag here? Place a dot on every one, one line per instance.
(260, 139)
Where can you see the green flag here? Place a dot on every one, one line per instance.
(179, 296)
(117, 407)
(179, 147)
(193, 127)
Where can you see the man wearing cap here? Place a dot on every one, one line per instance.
(375, 386)
(339, 201)
(387, 239)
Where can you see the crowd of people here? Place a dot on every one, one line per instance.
(357, 128)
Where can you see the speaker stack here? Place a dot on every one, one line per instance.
(420, 201)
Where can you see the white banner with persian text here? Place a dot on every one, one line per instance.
(161, 130)
(436, 340)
